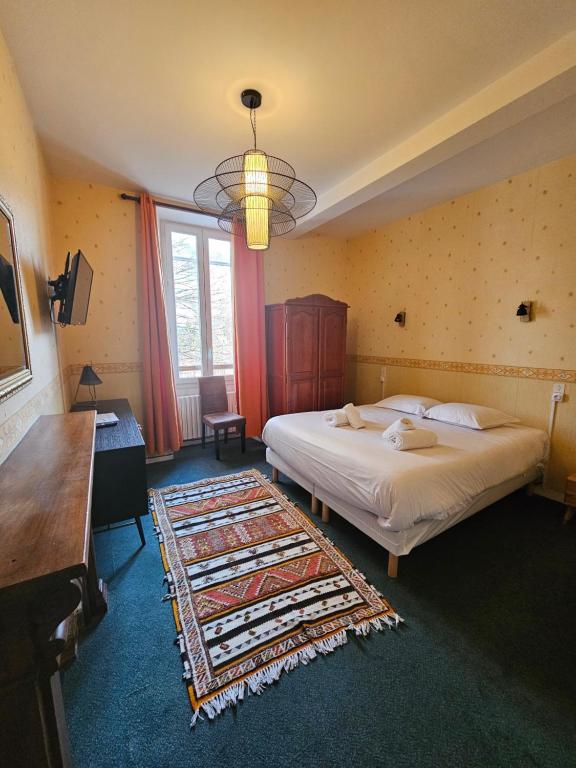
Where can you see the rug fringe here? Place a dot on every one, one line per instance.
(257, 682)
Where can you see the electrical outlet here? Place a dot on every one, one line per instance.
(558, 391)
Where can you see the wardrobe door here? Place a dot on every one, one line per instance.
(276, 358)
(332, 357)
(301, 358)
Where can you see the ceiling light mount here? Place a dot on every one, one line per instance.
(255, 194)
(251, 98)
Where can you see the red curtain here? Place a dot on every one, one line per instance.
(249, 337)
(163, 433)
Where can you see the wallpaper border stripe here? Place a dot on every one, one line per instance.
(75, 369)
(487, 369)
(13, 429)
(522, 372)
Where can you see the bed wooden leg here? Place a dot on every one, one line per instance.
(325, 513)
(392, 565)
(314, 504)
(275, 475)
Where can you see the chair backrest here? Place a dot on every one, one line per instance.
(213, 397)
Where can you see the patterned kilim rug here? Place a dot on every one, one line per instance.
(256, 588)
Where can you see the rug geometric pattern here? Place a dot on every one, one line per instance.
(256, 587)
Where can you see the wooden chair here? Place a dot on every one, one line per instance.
(215, 413)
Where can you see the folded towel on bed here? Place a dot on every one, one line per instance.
(411, 439)
(353, 416)
(336, 418)
(400, 425)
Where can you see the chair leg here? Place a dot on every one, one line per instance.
(217, 443)
(243, 437)
(140, 529)
(203, 435)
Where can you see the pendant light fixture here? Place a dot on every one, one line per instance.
(255, 193)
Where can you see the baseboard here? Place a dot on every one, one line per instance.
(158, 459)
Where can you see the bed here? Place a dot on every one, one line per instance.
(402, 498)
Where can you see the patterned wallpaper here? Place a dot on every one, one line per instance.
(95, 220)
(460, 270)
(23, 185)
(311, 264)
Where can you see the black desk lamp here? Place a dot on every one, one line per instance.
(89, 378)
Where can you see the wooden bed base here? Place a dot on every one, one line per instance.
(314, 506)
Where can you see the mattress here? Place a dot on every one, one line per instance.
(403, 487)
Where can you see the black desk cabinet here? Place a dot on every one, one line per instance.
(119, 490)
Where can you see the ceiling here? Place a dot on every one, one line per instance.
(380, 106)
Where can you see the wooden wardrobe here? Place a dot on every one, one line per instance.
(306, 354)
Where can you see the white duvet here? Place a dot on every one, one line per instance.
(403, 487)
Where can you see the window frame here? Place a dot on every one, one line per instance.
(189, 384)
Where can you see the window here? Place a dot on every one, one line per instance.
(198, 284)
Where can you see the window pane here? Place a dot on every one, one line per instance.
(221, 306)
(187, 301)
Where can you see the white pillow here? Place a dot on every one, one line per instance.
(408, 403)
(467, 415)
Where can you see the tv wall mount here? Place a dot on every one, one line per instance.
(58, 288)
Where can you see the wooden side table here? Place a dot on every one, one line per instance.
(120, 487)
(570, 497)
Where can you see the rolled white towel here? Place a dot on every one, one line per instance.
(336, 418)
(353, 416)
(411, 439)
(400, 425)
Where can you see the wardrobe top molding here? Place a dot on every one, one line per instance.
(314, 299)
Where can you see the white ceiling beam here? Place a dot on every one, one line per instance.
(543, 80)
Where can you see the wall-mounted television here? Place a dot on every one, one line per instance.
(72, 290)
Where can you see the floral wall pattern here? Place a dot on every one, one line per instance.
(24, 187)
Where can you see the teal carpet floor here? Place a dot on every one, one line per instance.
(483, 673)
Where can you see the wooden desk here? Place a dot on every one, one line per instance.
(45, 491)
(120, 488)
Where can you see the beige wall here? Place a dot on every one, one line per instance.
(459, 270)
(95, 220)
(311, 264)
(23, 186)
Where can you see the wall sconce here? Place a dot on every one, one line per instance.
(400, 319)
(523, 311)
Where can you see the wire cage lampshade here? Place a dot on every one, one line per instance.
(255, 194)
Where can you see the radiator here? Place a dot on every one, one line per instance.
(189, 410)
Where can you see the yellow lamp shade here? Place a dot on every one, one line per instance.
(256, 202)
(255, 191)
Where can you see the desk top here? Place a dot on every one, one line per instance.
(125, 434)
(45, 492)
